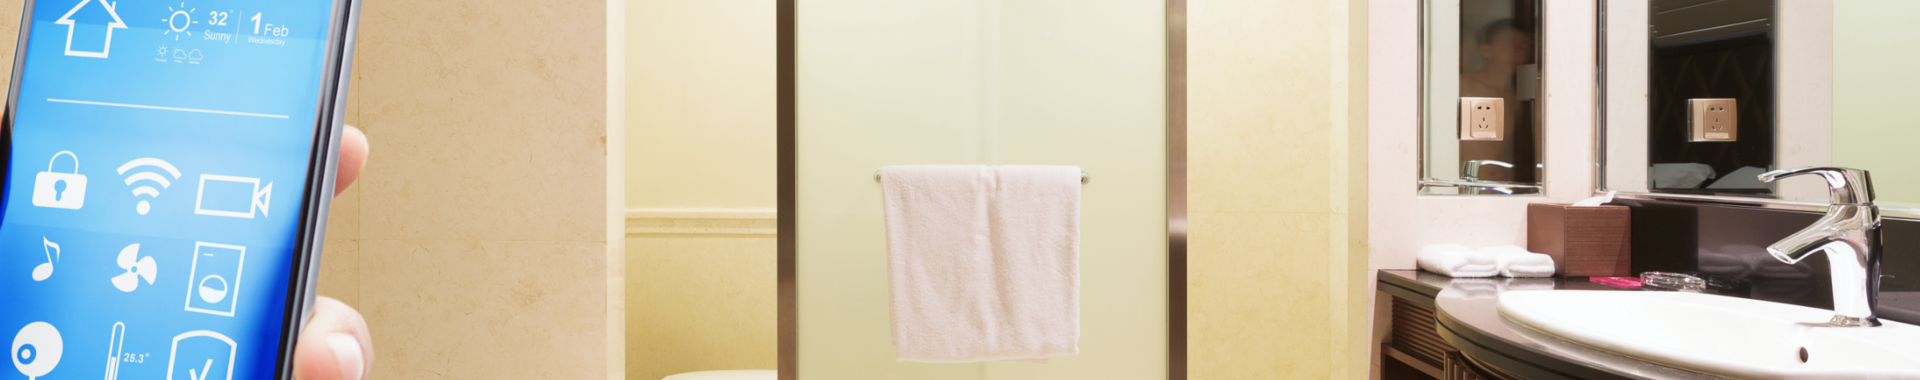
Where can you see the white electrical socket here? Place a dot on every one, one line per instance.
(1483, 119)
(1714, 120)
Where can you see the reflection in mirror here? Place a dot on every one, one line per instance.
(1760, 70)
(1480, 112)
(1689, 96)
(1711, 76)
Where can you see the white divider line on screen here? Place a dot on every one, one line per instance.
(166, 108)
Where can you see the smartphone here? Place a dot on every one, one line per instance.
(168, 170)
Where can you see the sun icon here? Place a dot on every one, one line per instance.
(180, 20)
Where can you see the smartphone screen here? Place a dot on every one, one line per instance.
(160, 168)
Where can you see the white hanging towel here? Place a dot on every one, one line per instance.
(984, 262)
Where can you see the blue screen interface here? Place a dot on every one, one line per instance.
(153, 193)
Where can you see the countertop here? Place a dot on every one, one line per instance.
(1469, 319)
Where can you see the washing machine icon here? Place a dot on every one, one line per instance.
(66, 190)
(214, 279)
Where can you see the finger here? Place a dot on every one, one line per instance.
(353, 157)
(334, 345)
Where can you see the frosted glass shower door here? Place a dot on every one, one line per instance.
(1043, 82)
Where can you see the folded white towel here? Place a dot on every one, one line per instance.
(1454, 260)
(1517, 262)
(984, 262)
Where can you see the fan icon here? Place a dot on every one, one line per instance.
(142, 269)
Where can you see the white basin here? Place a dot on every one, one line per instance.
(1716, 335)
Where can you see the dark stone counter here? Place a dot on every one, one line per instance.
(1469, 319)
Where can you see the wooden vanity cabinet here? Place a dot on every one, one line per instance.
(1414, 350)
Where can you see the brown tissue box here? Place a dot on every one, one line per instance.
(1583, 241)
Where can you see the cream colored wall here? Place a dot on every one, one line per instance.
(475, 241)
(1873, 93)
(1804, 135)
(701, 98)
(1442, 153)
(700, 302)
(700, 187)
(1627, 94)
(981, 82)
(1277, 202)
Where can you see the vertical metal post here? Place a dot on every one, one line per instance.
(789, 307)
(1176, 189)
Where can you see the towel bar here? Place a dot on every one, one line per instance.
(1084, 178)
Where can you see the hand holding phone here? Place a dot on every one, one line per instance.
(180, 157)
(336, 344)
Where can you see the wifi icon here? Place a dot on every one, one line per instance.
(151, 170)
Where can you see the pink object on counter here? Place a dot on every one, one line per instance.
(1618, 282)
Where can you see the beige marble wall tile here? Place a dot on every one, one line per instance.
(1276, 217)
(343, 216)
(1258, 117)
(481, 216)
(353, 95)
(340, 271)
(9, 26)
(705, 302)
(485, 310)
(1259, 290)
(490, 120)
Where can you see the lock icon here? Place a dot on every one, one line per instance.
(60, 190)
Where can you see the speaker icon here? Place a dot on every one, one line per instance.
(157, 175)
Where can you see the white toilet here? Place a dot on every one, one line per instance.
(753, 374)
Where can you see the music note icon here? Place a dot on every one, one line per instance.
(40, 273)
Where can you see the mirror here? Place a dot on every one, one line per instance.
(1690, 96)
(1480, 127)
(1699, 97)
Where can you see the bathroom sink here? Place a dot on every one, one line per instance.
(1718, 335)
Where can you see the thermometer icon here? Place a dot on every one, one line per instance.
(113, 350)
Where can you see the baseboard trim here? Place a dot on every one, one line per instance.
(706, 221)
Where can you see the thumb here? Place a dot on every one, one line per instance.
(334, 345)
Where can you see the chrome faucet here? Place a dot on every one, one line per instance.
(1470, 172)
(1849, 234)
(1471, 169)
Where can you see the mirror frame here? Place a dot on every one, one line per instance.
(1600, 146)
(1422, 181)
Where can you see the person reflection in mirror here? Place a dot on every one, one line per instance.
(1505, 47)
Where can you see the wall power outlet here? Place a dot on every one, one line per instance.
(1714, 120)
(1483, 119)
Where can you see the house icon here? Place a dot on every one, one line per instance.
(68, 21)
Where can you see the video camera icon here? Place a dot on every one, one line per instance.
(230, 196)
